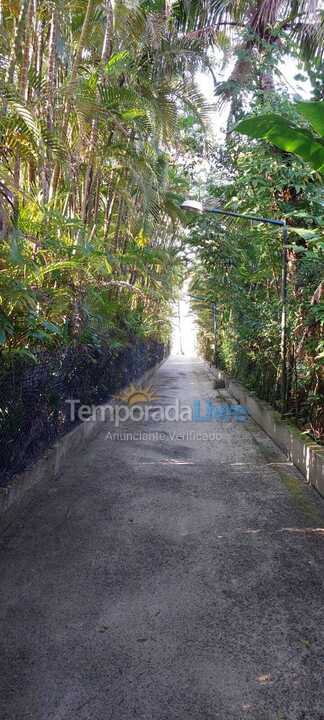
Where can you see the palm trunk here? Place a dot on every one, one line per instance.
(108, 214)
(105, 53)
(118, 224)
(50, 96)
(28, 48)
(266, 82)
(97, 199)
(23, 86)
(74, 73)
(39, 49)
(16, 44)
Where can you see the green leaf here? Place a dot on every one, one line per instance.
(306, 234)
(61, 265)
(117, 62)
(314, 113)
(27, 117)
(133, 114)
(286, 136)
(298, 248)
(52, 327)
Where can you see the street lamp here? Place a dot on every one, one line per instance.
(197, 206)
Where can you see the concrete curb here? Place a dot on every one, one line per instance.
(306, 455)
(49, 466)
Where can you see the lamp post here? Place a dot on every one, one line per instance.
(197, 206)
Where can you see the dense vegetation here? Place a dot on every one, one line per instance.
(102, 128)
(93, 111)
(240, 261)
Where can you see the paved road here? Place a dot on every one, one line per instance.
(171, 579)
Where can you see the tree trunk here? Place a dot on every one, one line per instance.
(50, 96)
(118, 224)
(105, 53)
(14, 54)
(28, 48)
(23, 87)
(74, 73)
(108, 213)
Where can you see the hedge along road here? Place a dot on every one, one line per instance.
(170, 577)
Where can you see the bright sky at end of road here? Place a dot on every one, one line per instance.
(184, 328)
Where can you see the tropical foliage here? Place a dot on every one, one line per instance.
(93, 113)
(290, 137)
(242, 263)
(102, 132)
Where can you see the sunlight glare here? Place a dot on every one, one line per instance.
(184, 329)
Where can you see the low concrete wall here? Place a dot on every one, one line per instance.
(49, 466)
(301, 450)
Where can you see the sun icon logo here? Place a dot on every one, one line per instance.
(135, 394)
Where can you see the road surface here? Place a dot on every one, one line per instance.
(170, 578)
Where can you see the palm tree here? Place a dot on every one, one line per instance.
(90, 106)
(258, 33)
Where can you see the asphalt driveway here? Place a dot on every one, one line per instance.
(174, 571)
